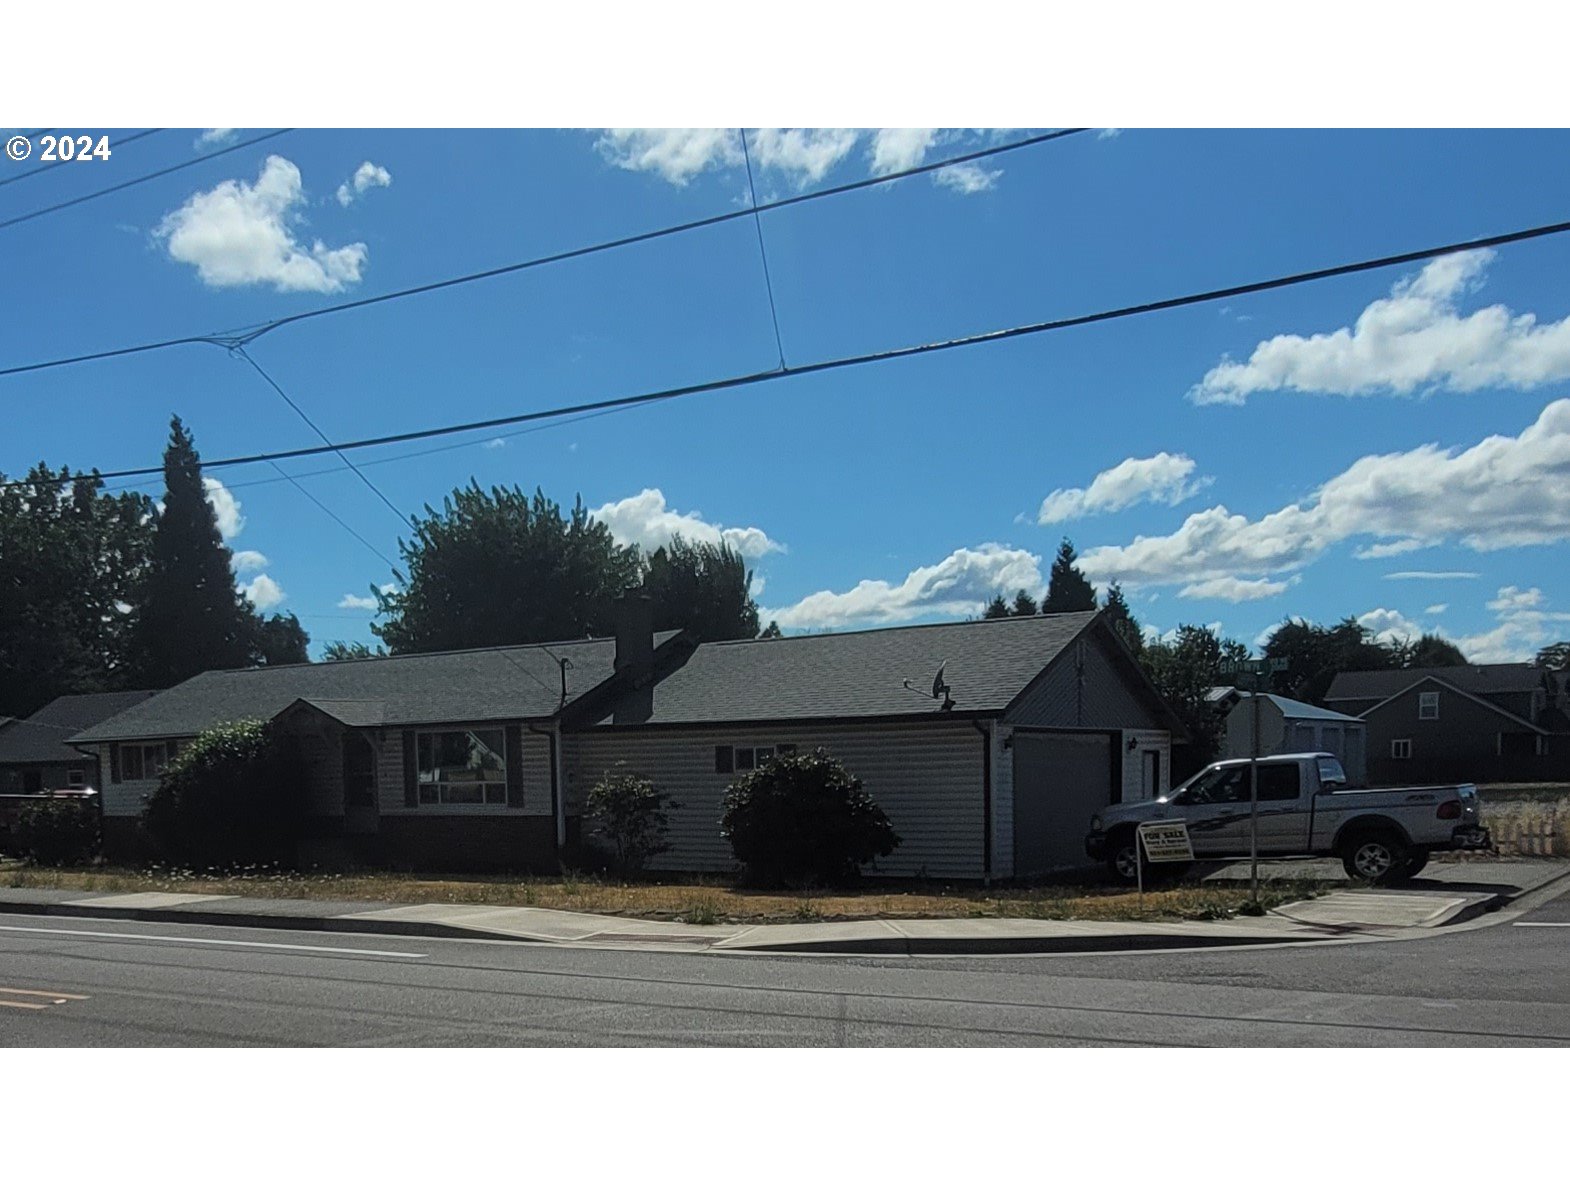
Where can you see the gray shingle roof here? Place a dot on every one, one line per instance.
(1489, 679)
(503, 682)
(860, 674)
(40, 738)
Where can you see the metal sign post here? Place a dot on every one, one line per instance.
(1252, 670)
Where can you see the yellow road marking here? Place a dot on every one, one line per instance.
(21, 1005)
(42, 993)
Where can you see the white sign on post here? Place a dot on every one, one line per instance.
(1166, 841)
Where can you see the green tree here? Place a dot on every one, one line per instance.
(188, 615)
(703, 588)
(1315, 655)
(997, 607)
(1122, 620)
(279, 641)
(1183, 670)
(497, 568)
(1024, 605)
(71, 559)
(771, 630)
(1068, 591)
(631, 813)
(1430, 650)
(1554, 657)
(349, 651)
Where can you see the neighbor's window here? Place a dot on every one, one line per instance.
(746, 757)
(466, 767)
(76, 777)
(1400, 749)
(142, 762)
(1428, 705)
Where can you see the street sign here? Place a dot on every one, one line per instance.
(1166, 841)
(1253, 665)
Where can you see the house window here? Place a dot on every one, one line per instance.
(76, 777)
(729, 758)
(1428, 705)
(467, 767)
(142, 762)
(1400, 749)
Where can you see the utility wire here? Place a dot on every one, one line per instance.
(372, 548)
(288, 400)
(116, 145)
(854, 361)
(190, 163)
(548, 259)
(757, 222)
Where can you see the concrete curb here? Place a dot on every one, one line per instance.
(1012, 945)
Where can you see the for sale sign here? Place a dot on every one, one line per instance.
(1166, 841)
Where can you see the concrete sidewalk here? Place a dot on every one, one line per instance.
(1459, 895)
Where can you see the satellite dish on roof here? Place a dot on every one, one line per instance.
(938, 687)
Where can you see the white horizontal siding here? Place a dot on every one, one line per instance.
(1002, 802)
(927, 778)
(1158, 740)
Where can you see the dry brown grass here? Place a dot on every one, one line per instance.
(693, 900)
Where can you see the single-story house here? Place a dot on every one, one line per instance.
(34, 755)
(1457, 723)
(483, 758)
(1288, 725)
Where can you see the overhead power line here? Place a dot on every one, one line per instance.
(865, 358)
(228, 341)
(120, 187)
(38, 171)
(763, 254)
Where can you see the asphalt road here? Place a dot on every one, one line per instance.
(81, 982)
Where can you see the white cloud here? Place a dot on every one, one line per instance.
(1502, 492)
(806, 156)
(1512, 600)
(1109, 132)
(758, 583)
(675, 154)
(1431, 575)
(1398, 547)
(967, 178)
(495, 443)
(1165, 478)
(1389, 626)
(959, 584)
(898, 149)
(216, 137)
(350, 601)
(1416, 338)
(263, 592)
(1523, 627)
(1231, 588)
(231, 522)
(1436, 610)
(367, 176)
(241, 234)
(248, 561)
(645, 519)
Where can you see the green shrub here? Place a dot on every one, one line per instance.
(234, 795)
(802, 820)
(57, 831)
(630, 813)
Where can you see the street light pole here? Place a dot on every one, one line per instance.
(1253, 804)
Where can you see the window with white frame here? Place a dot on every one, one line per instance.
(1400, 749)
(143, 762)
(746, 757)
(465, 767)
(1428, 705)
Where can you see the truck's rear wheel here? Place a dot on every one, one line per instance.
(1376, 858)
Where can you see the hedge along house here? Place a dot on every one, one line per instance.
(446, 759)
(1043, 721)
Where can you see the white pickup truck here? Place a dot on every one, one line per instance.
(1305, 809)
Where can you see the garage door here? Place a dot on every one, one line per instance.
(1060, 779)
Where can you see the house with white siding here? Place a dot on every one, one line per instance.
(482, 759)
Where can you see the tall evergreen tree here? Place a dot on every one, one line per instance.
(1024, 605)
(1068, 591)
(703, 588)
(1122, 620)
(188, 615)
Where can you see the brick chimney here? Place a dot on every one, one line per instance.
(634, 658)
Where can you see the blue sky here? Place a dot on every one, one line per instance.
(1394, 445)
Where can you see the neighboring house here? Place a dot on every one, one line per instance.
(1458, 723)
(482, 759)
(1286, 725)
(34, 755)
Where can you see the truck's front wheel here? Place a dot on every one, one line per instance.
(1375, 858)
(1123, 862)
